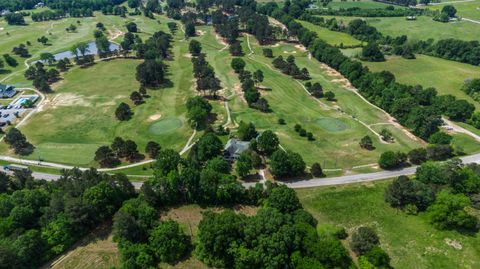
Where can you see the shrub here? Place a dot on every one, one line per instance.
(363, 240)
(316, 170)
(392, 160)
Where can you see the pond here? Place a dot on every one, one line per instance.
(92, 50)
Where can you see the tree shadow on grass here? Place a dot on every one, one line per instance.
(5, 71)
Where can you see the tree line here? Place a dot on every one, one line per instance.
(203, 72)
(248, 83)
(47, 15)
(388, 11)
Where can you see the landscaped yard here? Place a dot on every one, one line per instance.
(410, 241)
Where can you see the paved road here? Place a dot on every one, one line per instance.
(317, 182)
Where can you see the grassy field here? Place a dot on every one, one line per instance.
(469, 10)
(332, 37)
(446, 76)
(410, 241)
(97, 250)
(364, 4)
(337, 134)
(421, 29)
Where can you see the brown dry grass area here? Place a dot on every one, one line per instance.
(189, 216)
(97, 250)
(191, 263)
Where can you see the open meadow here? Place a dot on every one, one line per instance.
(446, 76)
(332, 37)
(364, 4)
(465, 9)
(410, 241)
(422, 28)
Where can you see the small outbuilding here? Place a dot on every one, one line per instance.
(234, 148)
(7, 91)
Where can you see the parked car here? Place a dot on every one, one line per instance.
(6, 115)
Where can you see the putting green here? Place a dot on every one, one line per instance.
(165, 126)
(332, 124)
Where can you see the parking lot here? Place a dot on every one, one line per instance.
(14, 110)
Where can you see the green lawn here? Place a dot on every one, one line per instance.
(421, 29)
(332, 37)
(469, 10)
(410, 241)
(364, 4)
(288, 100)
(79, 116)
(446, 76)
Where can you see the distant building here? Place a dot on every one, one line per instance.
(7, 91)
(234, 148)
(5, 12)
(411, 18)
(40, 5)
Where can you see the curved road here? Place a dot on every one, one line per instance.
(317, 182)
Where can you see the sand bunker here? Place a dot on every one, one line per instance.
(155, 117)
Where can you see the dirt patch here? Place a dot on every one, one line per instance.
(330, 71)
(114, 34)
(67, 99)
(277, 23)
(453, 243)
(155, 117)
(188, 55)
(191, 215)
(220, 39)
(97, 250)
(301, 48)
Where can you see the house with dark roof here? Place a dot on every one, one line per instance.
(234, 148)
(7, 91)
